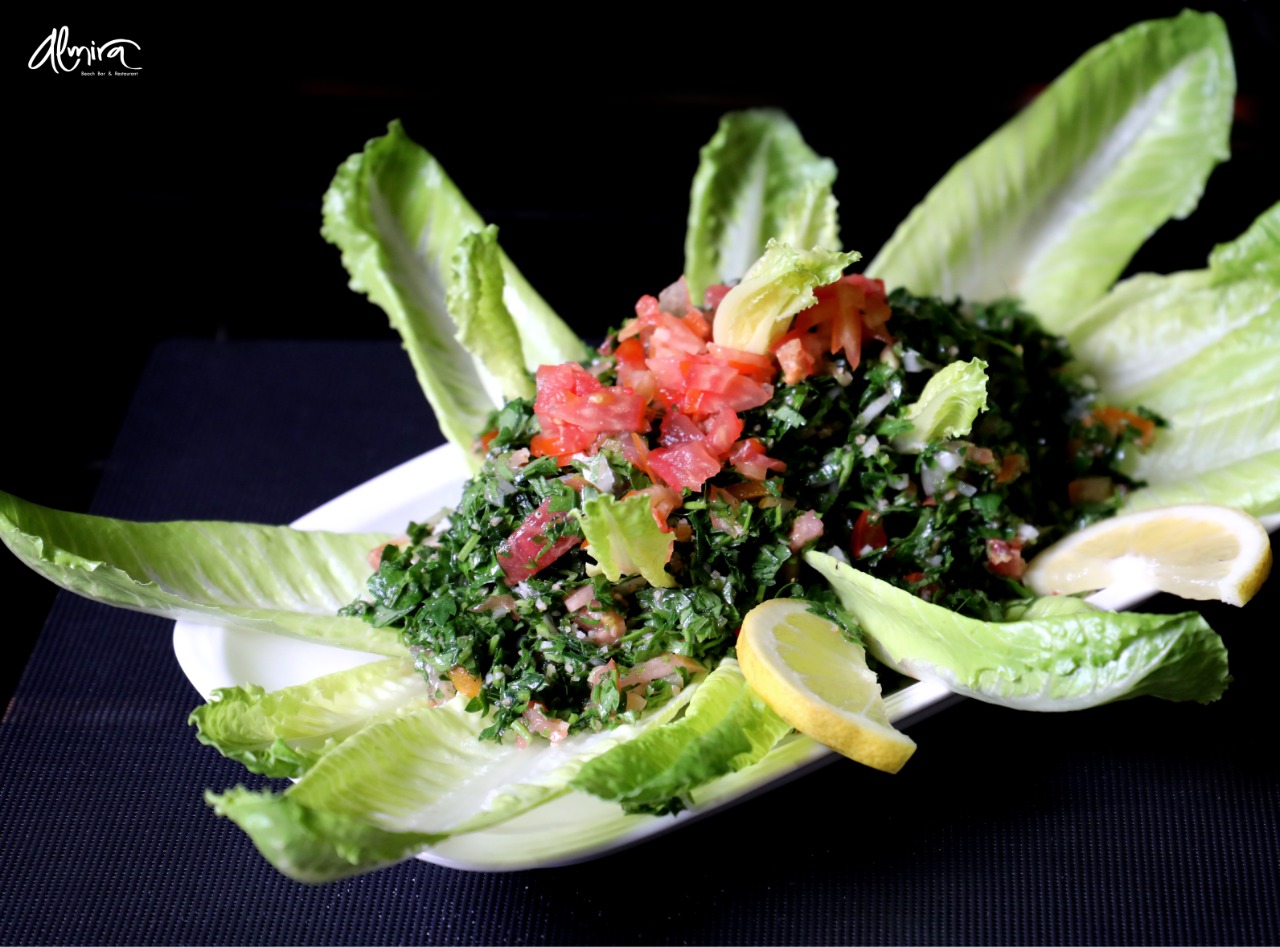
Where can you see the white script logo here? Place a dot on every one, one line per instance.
(55, 51)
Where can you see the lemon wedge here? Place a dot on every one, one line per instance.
(819, 682)
(1196, 551)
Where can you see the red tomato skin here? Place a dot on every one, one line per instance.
(523, 554)
(688, 464)
(1004, 557)
(868, 533)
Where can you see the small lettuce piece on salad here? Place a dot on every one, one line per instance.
(947, 408)
(756, 312)
(1060, 654)
(625, 539)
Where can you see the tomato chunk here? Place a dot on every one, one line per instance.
(688, 464)
(1004, 557)
(868, 534)
(526, 552)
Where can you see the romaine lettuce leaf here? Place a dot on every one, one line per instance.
(485, 326)
(756, 313)
(269, 578)
(1168, 342)
(757, 180)
(1061, 658)
(1211, 435)
(725, 728)
(951, 401)
(309, 845)
(1052, 206)
(398, 220)
(1251, 484)
(625, 539)
(1202, 349)
(284, 732)
(408, 781)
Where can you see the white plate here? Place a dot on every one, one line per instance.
(573, 828)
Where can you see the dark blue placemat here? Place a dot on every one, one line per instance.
(1142, 822)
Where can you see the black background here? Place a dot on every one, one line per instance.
(184, 200)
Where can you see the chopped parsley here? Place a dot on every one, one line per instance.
(950, 523)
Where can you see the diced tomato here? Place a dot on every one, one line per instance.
(1089, 490)
(982, 456)
(630, 352)
(747, 490)
(486, 439)
(722, 430)
(677, 428)
(636, 452)
(875, 307)
(739, 393)
(797, 363)
(526, 552)
(665, 501)
(607, 410)
(538, 722)
(1117, 420)
(573, 407)
(684, 465)
(561, 441)
(557, 382)
(698, 324)
(749, 459)
(675, 298)
(806, 528)
(759, 367)
(1012, 466)
(1004, 557)
(714, 295)
(603, 628)
(466, 683)
(844, 301)
(868, 534)
(668, 334)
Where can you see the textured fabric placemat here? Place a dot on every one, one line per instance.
(1142, 822)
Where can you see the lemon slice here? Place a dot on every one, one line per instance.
(819, 682)
(1197, 551)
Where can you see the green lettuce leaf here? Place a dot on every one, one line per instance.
(1211, 435)
(1169, 342)
(951, 401)
(1257, 251)
(756, 313)
(485, 326)
(1251, 484)
(410, 780)
(757, 180)
(398, 220)
(725, 728)
(1060, 658)
(284, 732)
(625, 539)
(1052, 206)
(269, 578)
(1202, 349)
(313, 846)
